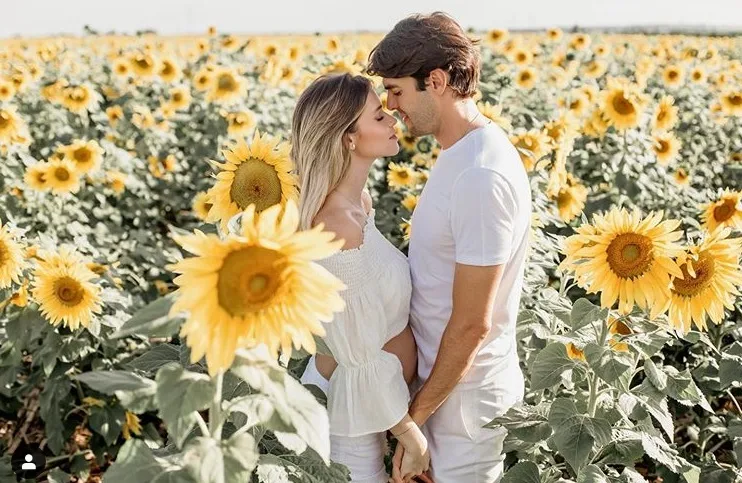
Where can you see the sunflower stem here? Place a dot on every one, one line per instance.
(215, 412)
(594, 381)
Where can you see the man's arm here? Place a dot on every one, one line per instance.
(474, 289)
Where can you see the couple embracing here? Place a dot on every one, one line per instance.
(426, 346)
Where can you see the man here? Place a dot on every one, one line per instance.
(467, 250)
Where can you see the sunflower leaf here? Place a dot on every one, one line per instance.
(136, 463)
(152, 320)
(549, 366)
(523, 472)
(180, 394)
(609, 365)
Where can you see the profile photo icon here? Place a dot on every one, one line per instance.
(28, 461)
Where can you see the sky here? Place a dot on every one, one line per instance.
(47, 17)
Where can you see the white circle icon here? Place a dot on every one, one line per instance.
(29, 464)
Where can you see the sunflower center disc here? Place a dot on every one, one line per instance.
(735, 100)
(664, 146)
(61, 174)
(255, 182)
(249, 280)
(690, 286)
(725, 211)
(226, 83)
(623, 106)
(564, 198)
(630, 255)
(68, 291)
(4, 254)
(4, 120)
(82, 155)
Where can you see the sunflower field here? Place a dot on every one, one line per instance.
(157, 302)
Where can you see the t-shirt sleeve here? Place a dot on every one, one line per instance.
(482, 212)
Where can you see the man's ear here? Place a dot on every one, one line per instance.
(438, 80)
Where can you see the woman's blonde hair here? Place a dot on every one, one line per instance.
(324, 113)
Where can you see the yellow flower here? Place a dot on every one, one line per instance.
(180, 98)
(143, 64)
(86, 156)
(79, 99)
(580, 42)
(227, 86)
(673, 75)
(626, 257)
(7, 90)
(665, 114)
(725, 212)
(62, 176)
(494, 113)
(400, 176)
(36, 176)
(120, 67)
(618, 328)
(711, 280)
(666, 147)
(623, 104)
(554, 34)
(131, 425)
(202, 205)
(259, 286)
(259, 173)
(681, 177)
(595, 69)
(575, 102)
(20, 298)
(526, 78)
(731, 102)
(698, 75)
(11, 125)
(169, 70)
(532, 146)
(117, 181)
(497, 36)
(571, 199)
(203, 79)
(596, 125)
(574, 353)
(410, 202)
(521, 57)
(406, 227)
(11, 258)
(65, 294)
(114, 114)
(241, 123)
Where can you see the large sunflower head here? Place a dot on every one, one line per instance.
(666, 147)
(628, 259)
(724, 212)
(85, 155)
(227, 85)
(665, 114)
(711, 280)
(623, 104)
(11, 258)
(258, 286)
(258, 173)
(66, 295)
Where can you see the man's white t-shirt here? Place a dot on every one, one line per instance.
(475, 209)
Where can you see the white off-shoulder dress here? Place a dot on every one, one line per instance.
(367, 393)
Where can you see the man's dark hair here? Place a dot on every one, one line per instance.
(422, 43)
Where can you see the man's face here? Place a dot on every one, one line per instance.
(418, 109)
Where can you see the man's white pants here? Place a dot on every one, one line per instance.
(461, 450)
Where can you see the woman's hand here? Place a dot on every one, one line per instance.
(412, 457)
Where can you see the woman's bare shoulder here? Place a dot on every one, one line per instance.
(339, 221)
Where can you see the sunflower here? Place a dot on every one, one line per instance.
(711, 280)
(574, 352)
(623, 104)
(400, 176)
(665, 114)
(79, 99)
(343, 66)
(731, 102)
(735, 157)
(227, 86)
(526, 78)
(618, 328)
(120, 67)
(681, 177)
(580, 41)
(11, 258)
(202, 205)
(36, 176)
(571, 198)
(66, 295)
(494, 114)
(554, 34)
(260, 286)
(666, 147)
(332, 45)
(560, 129)
(497, 36)
(596, 125)
(575, 102)
(180, 98)
(86, 155)
(7, 90)
(698, 75)
(532, 146)
(626, 257)
(169, 70)
(131, 425)
(240, 123)
(142, 64)
(202, 79)
(725, 212)
(114, 114)
(406, 227)
(521, 57)
(673, 75)
(11, 125)
(410, 202)
(595, 69)
(258, 173)
(117, 181)
(62, 176)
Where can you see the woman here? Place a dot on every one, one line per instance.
(339, 129)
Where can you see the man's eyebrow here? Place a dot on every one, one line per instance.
(378, 108)
(390, 86)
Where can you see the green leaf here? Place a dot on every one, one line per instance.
(678, 385)
(585, 313)
(657, 449)
(135, 463)
(609, 365)
(654, 402)
(526, 423)
(576, 435)
(107, 421)
(108, 382)
(592, 474)
(730, 367)
(50, 400)
(140, 400)
(625, 449)
(58, 476)
(212, 461)
(305, 469)
(156, 357)
(180, 394)
(549, 366)
(655, 375)
(523, 472)
(152, 320)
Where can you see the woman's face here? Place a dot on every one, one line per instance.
(375, 136)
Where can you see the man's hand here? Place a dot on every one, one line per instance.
(397, 472)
